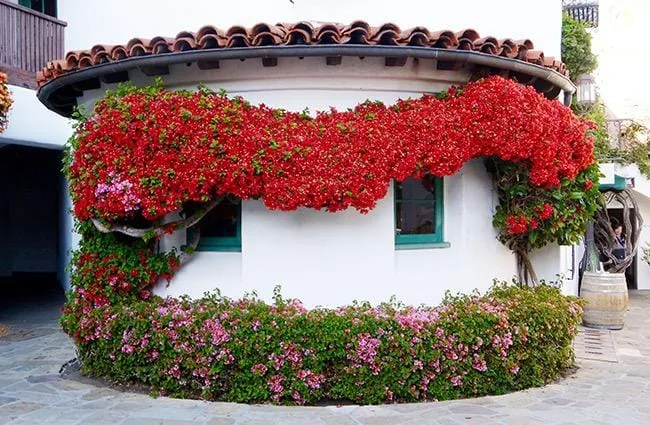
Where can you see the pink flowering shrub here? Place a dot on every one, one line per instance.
(248, 351)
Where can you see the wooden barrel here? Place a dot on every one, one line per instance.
(606, 300)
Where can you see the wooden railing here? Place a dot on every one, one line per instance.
(28, 40)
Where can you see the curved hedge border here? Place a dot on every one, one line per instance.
(247, 351)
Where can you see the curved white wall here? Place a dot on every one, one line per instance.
(333, 259)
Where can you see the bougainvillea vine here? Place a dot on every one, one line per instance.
(149, 151)
(5, 101)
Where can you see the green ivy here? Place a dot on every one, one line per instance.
(576, 48)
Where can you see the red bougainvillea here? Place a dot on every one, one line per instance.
(146, 152)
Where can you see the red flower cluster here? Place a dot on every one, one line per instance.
(108, 276)
(546, 211)
(516, 224)
(149, 154)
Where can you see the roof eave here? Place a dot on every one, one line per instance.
(79, 78)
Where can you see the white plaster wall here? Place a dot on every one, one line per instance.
(298, 83)
(31, 123)
(642, 268)
(475, 256)
(332, 259)
(117, 21)
(68, 238)
(558, 264)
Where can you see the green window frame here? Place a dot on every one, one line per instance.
(425, 238)
(46, 7)
(222, 243)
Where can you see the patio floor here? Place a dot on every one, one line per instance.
(612, 389)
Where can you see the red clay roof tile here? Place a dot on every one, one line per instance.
(300, 33)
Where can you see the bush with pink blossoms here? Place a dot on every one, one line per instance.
(246, 350)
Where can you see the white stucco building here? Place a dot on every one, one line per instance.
(621, 86)
(324, 258)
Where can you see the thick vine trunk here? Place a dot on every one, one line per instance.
(525, 271)
(154, 231)
(604, 233)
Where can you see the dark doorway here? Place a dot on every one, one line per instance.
(630, 273)
(30, 205)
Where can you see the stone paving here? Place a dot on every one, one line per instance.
(32, 392)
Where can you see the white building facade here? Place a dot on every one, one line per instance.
(35, 224)
(319, 257)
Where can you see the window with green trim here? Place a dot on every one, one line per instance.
(221, 228)
(419, 211)
(47, 7)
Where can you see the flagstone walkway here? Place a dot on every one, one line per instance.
(613, 390)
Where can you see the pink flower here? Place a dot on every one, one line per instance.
(275, 384)
(259, 369)
(479, 364)
(367, 348)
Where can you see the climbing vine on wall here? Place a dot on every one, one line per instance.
(530, 217)
(147, 152)
(5, 101)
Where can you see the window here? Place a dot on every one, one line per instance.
(47, 7)
(221, 228)
(418, 213)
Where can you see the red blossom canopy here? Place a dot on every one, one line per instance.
(151, 152)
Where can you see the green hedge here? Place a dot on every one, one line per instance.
(248, 351)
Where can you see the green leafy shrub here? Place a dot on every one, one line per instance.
(576, 48)
(248, 351)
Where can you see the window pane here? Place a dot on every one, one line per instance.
(50, 8)
(37, 5)
(415, 218)
(411, 189)
(221, 221)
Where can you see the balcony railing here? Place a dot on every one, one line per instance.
(28, 40)
(586, 12)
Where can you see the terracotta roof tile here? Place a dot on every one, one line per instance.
(535, 56)
(300, 33)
